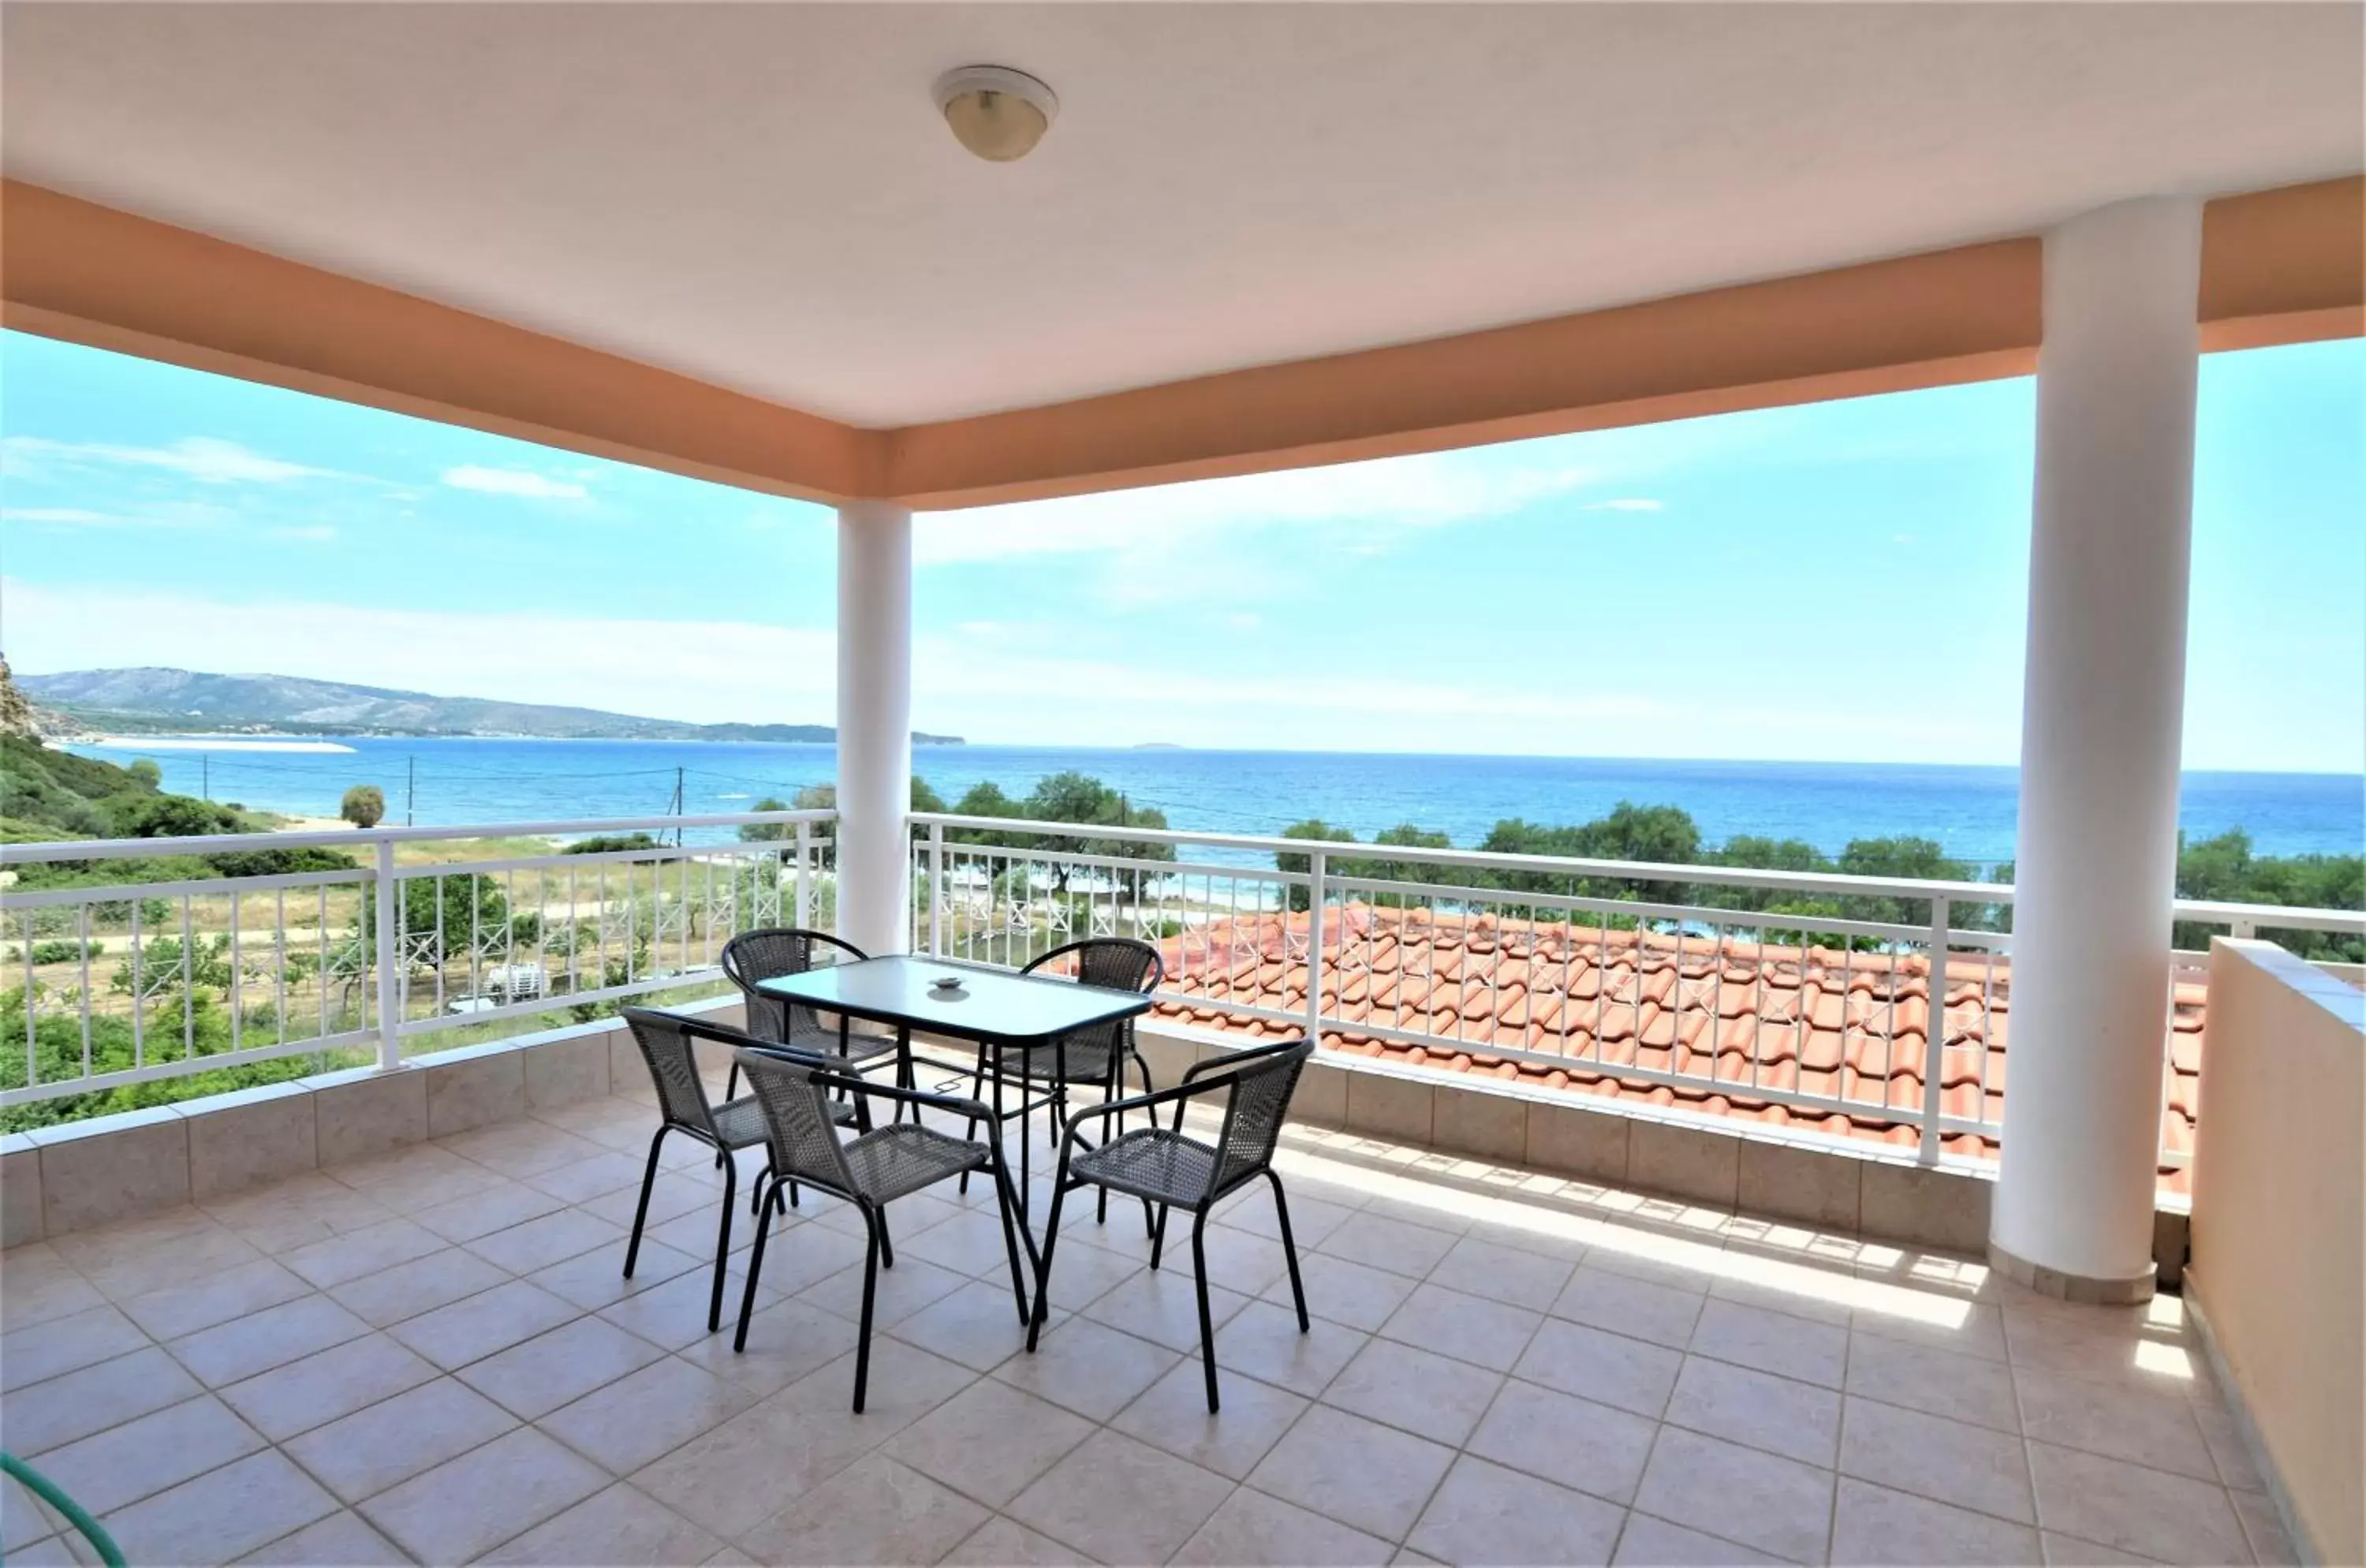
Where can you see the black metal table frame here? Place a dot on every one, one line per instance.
(1056, 1096)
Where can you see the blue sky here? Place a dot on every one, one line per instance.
(1839, 581)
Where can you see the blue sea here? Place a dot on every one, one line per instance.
(1969, 811)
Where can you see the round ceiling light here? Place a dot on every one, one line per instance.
(995, 112)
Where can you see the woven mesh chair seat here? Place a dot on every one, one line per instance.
(862, 1045)
(739, 1123)
(905, 1157)
(1152, 1163)
(1087, 1059)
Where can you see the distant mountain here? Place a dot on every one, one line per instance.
(150, 701)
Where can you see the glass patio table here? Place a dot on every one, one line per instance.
(996, 1010)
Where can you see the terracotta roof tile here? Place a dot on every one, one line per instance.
(1782, 1020)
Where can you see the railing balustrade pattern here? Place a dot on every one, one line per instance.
(109, 981)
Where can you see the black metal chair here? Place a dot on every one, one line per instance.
(1166, 1167)
(769, 952)
(1096, 1056)
(793, 1089)
(665, 1042)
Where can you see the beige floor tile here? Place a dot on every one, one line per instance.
(521, 1148)
(233, 1351)
(37, 1285)
(990, 1441)
(423, 1284)
(1603, 1297)
(415, 1176)
(672, 1196)
(185, 1309)
(673, 1314)
(2271, 1545)
(1311, 1219)
(2171, 1518)
(1937, 1382)
(537, 1377)
(1402, 1386)
(147, 1455)
(1566, 1439)
(1596, 1364)
(1382, 1241)
(2152, 1427)
(1975, 1467)
(1160, 1306)
(2067, 1552)
(1083, 1274)
(1122, 1501)
(912, 1284)
(140, 1257)
(977, 1325)
(1817, 1292)
(610, 1170)
(968, 1242)
(343, 1540)
(374, 1447)
(1970, 1328)
(1007, 1543)
(595, 1279)
(802, 1255)
(24, 1518)
(1354, 1293)
(1771, 1342)
(639, 1418)
(786, 1340)
(94, 1398)
(1252, 1528)
(326, 1386)
(553, 1238)
(1090, 1368)
(736, 1473)
(1172, 1413)
(1508, 1274)
(1239, 1259)
(468, 1504)
(223, 1513)
(304, 1209)
(1648, 1542)
(2227, 1448)
(1483, 1512)
(364, 1251)
(1798, 1420)
(488, 1210)
(1358, 1471)
(1469, 1328)
(1873, 1525)
(617, 1525)
(1264, 1340)
(877, 1511)
(63, 1344)
(473, 1328)
(1759, 1499)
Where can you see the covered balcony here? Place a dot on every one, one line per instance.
(1645, 1213)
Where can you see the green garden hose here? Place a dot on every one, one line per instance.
(41, 1486)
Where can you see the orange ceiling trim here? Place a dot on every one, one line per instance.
(2284, 265)
(75, 269)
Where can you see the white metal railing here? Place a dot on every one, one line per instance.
(111, 981)
(1421, 946)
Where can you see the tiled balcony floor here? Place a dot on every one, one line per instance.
(431, 1357)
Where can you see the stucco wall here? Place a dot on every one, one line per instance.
(2280, 1225)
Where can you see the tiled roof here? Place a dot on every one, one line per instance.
(1752, 1015)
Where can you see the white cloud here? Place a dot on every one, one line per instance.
(51, 514)
(513, 482)
(201, 458)
(1424, 491)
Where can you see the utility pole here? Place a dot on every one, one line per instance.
(410, 786)
(204, 776)
(677, 805)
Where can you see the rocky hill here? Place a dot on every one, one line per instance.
(153, 701)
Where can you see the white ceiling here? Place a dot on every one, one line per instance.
(762, 195)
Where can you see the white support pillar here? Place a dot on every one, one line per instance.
(2103, 718)
(874, 723)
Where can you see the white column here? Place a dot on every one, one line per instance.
(2103, 716)
(875, 722)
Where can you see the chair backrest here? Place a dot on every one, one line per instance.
(1262, 1079)
(665, 1043)
(769, 952)
(1118, 962)
(802, 1135)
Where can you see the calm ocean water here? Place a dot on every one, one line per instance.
(1968, 810)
